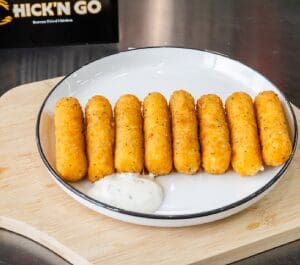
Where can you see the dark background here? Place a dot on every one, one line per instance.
(263, 34)
(91, 28)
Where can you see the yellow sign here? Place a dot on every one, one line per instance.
(6, 19)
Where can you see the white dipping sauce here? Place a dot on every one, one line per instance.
(128, 191)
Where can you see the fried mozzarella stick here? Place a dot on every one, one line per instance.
(214, 134)
(246, 154)
(99, 138)
(186, 154)
(157, 132)
(71, 162)
(129, 151)
(273, 130)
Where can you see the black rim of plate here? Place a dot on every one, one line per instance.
(160, 216)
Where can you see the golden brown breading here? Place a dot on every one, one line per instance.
(71, 162)
(186, 154)
(129, 151)
(246, 154)
(273, 130)
(214, 134)
(157, 134)
(99, 137)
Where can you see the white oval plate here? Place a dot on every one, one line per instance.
(189, 200)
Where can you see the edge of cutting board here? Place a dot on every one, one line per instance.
(45, 240)
(263, 230)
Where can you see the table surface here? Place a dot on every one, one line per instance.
(262, 34)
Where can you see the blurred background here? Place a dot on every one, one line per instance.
(262, 34)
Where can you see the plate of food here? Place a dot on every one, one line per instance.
(166, 136)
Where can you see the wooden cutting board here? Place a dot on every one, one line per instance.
(33, 205)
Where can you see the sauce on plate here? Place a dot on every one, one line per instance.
(129, 191)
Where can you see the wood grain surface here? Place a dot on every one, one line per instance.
(33, 205)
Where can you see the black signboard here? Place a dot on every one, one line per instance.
(31, 23)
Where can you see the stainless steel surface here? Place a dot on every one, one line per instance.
(263, 34)
(286, 255)
(19, 66)
(18, 250)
